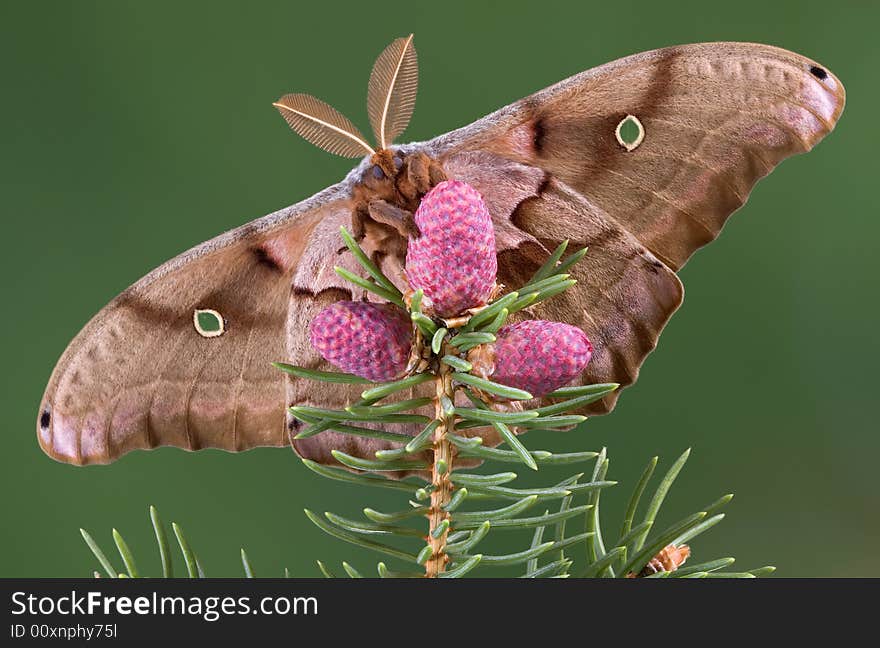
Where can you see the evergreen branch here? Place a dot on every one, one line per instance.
(371, 286)
(467, 449)
(188, 556)
(338, 426)
(502, 492)
(437, 340)
(246, 564)
(362, 258)
(529, 522)
(565, 506)
(384, 518)
(352, 538)
(499, 321)
(583, 390)
(553, 422)
(634, 500)
(549, 570)
(515, 444)
(99, 554)
(365, 528)
(712, 565)
(323, 376)
(491, 416)
(458, 498)
(490, 312)
(426, 324)
(512, 558)
(391, 408)
(324, 570)
(125, 554)
(473, 539)
(573, 258)
(469, 479)
(423, 439)
(351, 571)
(381, 391)
(459, 364)
(361, 480)
(463, 568)
(596, 546)
(376, 466)
(469, 340)
(478, 517)
(641, 556)
(369, 417)
(549, 266)
(660, 494)
(537, 538)
(574, 403)
(162, 543)
(384, 572)
(415, 301)
(492, 387)
(702, 527)
(604, 563)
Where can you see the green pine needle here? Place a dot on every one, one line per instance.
(323, 376)
(355, 539)
(368, 265)
(437, 340)
(460, 570)
(246, 564)
(371, 286)
(549, 266)
(125, 553)
(99, 554)
(381, 391)
(188, 556)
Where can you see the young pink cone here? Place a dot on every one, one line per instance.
(372, 341)
(539, 356)
(454, 259)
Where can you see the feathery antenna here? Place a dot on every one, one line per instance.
(323, 125)
(391, 94)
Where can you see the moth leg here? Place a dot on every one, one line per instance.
(359, 223)
(393, 216)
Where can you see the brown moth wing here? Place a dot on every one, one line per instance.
(717, 118)
(139, 375)
(624, 295)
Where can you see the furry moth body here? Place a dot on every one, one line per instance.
(714, 119)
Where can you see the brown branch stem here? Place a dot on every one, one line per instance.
(440, 479)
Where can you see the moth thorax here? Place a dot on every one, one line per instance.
(388, 193)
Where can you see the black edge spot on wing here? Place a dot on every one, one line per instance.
(45, 420)
(262, 257)
(818, 72)
(539, 133)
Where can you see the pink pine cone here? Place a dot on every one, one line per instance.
(540, 356)
(372, 341)
(454, 260)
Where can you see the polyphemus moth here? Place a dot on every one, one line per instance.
(710, 120)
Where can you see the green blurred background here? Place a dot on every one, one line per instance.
(134, 130)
